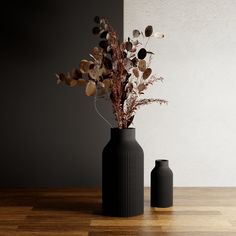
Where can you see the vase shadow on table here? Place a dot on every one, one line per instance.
(42, 200)
(84, 206)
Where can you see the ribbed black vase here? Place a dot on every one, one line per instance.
(161, 185)
(122, 175)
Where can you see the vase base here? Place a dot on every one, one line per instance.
(124, 214)
(162, 206)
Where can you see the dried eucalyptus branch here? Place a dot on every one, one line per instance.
(119, 69)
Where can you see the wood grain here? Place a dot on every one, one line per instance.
(71, 211)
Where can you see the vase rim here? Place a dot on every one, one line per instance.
(122, 128)
(123, 134)
(161, 160)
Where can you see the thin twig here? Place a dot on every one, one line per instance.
(96, 109)
(147, 42)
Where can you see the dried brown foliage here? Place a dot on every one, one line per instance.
(119, 69)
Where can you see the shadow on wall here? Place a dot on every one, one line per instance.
(50, 135)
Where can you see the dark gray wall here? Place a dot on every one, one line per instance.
(50, 135)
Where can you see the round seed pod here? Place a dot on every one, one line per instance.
(142, 53)
(103, 35)
(136, 33)
(97, 53)
(81, 82)
(158, 35)
(103, 44)
(148, 31)
(107, 63)
(128, 46)
(136, 72)
(90, 89)
(135, 61)
(96, 30)
(141, 87)
(107, 83)
(142, 65)
(84, 66)
(147, 73)
(96, 19)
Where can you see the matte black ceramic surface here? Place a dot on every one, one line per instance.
(161, 185)
(122, 175)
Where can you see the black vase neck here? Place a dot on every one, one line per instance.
(162, 163)
(123, 134)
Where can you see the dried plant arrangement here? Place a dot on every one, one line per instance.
(118, 70)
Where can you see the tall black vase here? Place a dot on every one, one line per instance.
(122, 175)
(161, 185)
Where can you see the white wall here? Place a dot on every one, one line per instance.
(197, 58)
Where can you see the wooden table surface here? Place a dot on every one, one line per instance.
(52, 212)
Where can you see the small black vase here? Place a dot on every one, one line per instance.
(161, 185)
(122, 175)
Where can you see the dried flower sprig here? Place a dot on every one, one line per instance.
(118, 69)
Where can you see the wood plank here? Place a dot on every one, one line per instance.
(74, 211)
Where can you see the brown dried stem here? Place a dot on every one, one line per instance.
(117, 77)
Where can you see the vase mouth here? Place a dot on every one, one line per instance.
(123, 134)
(116, 128)
(162, 162)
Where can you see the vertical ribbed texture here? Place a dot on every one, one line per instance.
(123, 180)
